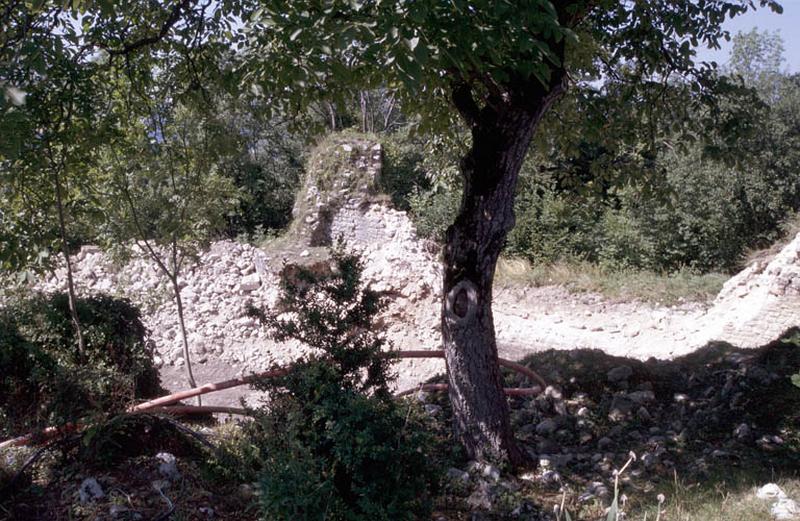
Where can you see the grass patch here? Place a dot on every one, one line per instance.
(725, 495)
(626, 284)
(733, 498)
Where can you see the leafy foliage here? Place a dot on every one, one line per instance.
(402, 173)
(44, 383)
(50, 133)
(265, 166)
(165, 172)
(325, 306)
(495, 63)
(124, 436)
(332, 442)
(434, 210)
(673, 207)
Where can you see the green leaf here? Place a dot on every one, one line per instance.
(295, 34)
(796, 380)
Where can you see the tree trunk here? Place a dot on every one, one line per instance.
(332, 113)
(186, 357)
(363, 104)
(62, 226)
(500, 140)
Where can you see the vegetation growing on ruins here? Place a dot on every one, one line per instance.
(580, 142)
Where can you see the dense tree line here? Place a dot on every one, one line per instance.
(686, 205)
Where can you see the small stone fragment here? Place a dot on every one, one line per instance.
(250, 283)
(433, 409)
(785, 509)
(546, 427)
(742, 432)
(770, 491)
(90, 490)
(168, 466)
(457, 475)
(620, 373)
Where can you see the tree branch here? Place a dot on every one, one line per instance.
(464, 102)
(169, 23)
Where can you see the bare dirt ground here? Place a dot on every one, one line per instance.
(530, 320)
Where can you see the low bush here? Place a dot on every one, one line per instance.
(433, 211)
(332, 443)
(700, 215)
(43, 378)
(552, 226)
(125, 436)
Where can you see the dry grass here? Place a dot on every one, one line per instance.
(728, 497)
(649, 286)
(722, 497)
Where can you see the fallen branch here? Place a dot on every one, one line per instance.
(188, 410)
(514, 366)
(160, 403)
(210, 388)
(44, 435)
(207, 388)
(510, 391)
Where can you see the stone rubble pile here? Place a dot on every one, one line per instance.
(755, 307)
(714, 409)
(221, 283)
(225, 280)
(215, 290)
(782, 507)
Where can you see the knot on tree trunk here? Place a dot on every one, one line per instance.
(462, 302)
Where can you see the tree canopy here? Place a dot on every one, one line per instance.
(498, 65)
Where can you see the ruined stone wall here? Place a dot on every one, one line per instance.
(339, 197)
(761, 302)
(338, 191)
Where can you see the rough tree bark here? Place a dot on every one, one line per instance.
(501, 134)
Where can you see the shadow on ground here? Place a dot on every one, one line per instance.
(711, 424)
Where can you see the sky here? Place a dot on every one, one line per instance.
(787, 24)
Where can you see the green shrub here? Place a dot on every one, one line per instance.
(125, 436)
(44, 381)
(552, 226)
(402, 174)
(700, 214)
(267, 193)
(332, 442)
(625, 244)
(26, 374)
(264, 160)
(347, 454)
(433, 211)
